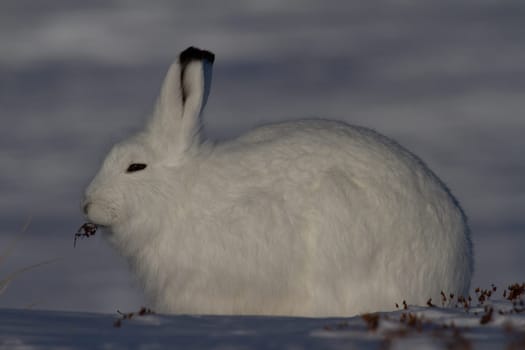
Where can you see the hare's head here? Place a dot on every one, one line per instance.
(133, 168)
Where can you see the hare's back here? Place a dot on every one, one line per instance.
(325, 143)
(305, 155)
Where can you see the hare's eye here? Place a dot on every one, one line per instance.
(135, 167)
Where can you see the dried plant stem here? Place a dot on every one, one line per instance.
(4, 283)
(11, 247)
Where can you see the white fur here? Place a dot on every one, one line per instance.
(307, 218)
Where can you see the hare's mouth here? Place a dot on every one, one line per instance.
(101, 213)
(87, 229)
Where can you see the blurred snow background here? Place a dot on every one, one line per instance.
(444, 78)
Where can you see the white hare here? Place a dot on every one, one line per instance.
(304, 218)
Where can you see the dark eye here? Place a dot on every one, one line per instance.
(136, 167)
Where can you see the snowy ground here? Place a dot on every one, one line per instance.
(490, 324)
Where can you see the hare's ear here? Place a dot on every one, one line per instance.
(175, 125)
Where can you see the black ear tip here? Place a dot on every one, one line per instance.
(195, 54)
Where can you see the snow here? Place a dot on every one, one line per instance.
(439, 327)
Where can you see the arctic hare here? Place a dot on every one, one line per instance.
(303, 218)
